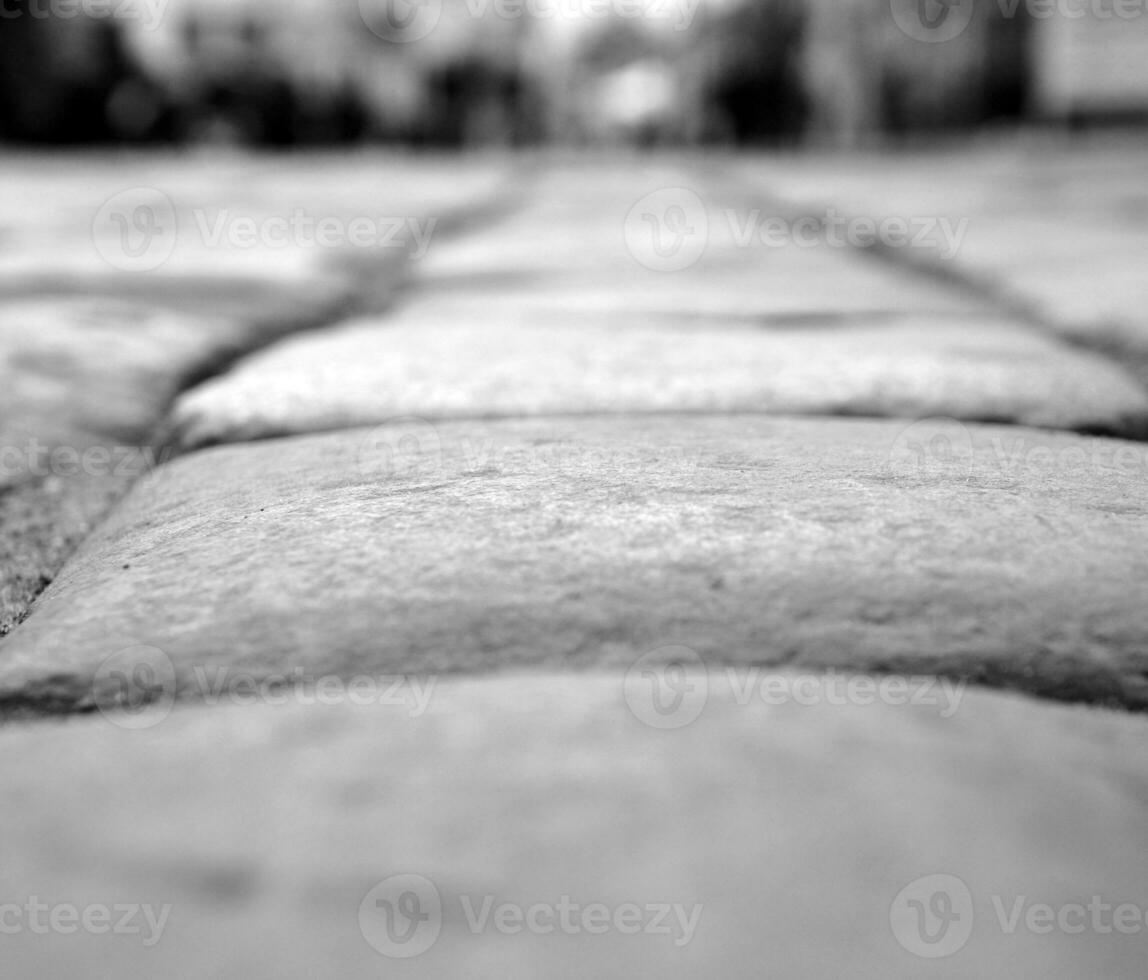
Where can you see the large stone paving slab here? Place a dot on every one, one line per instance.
(1009, 556)
(99, 367)
(41, 522)
(82, 385)
(122, 281)
(778, 286)
(600, 257)
(536, 827)
(1059, 229)
(84, 382)
(744, 294)
(438, 366)
(88, 216)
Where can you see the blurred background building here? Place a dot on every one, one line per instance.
(299, 72)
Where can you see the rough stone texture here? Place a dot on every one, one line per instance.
(576, 245)
(1014, 557)
(375, 370)
(90, 352)
(794, 828)
(539, 261)
(501, 306)
(1057, 229)
(83, 385)
(729, 293)
(91, 355)
(81, 371)
(48, 206)
(41, 522)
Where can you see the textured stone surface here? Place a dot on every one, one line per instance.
(89, 347)
(746, 281)
(583, 242)
(804, 834)
(93, 349)
(794, 828)
(744, 295)
(50, 208)
(41, 522)
(83, 385)
(1059, 229)
(88, 369)
(740, 295)
(423, 366)
(1011, 556)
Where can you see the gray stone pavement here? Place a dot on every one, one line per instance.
(589, 441)
(1055, 228)
(575, 543)
(266, 840)
(430, 366)
(123, 280)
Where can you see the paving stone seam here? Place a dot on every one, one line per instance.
(170, 447)
(371, 288)
(50, 701)
(535, 168)
(1111, 344)
(1103, 687)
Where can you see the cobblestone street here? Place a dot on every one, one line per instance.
(642, 561)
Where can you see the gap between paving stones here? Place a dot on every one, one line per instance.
(46, 516)
(886, 256)
(370, 295)
(499, 552)
(428, 362)
(373, 283)
(275, 831)
(959, 277)
(335, 420)
(375, 287)
(480, 216)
